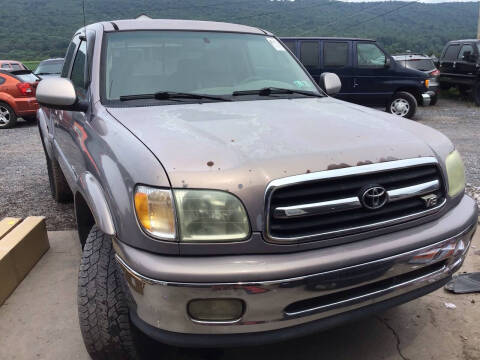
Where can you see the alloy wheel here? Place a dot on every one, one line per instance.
(4, 116)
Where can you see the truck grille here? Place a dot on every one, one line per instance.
(333, 203)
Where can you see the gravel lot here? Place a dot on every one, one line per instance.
(24, 188)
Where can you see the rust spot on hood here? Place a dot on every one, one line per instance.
(337, 166)
(366, 162)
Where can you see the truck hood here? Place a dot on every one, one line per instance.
(241, 146)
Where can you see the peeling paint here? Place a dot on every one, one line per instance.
(337, 166)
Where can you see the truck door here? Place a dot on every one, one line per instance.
(448, 61)
(336, 58)
(310, 57)
(373, 74)
(466, 66)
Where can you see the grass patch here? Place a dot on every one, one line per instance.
(32, 65)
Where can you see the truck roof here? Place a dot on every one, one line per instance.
(173, 24)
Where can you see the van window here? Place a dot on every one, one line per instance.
(309, 51)
(291, 45)
(335, 54)
(467, 48)
(370, 55)
(68, 59)
(452, 52)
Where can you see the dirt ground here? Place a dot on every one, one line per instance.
(24, 185)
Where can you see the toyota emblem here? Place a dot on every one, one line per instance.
(374, 197)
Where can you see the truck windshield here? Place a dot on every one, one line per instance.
(207, 63)
(420, 64)
(51, 67)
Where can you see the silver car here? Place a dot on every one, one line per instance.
(223, 198)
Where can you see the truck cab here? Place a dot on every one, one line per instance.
(370, 76)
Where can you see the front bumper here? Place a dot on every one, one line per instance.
(279, 305)
(426, 99)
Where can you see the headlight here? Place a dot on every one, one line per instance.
(455, 173)
(210, 216)
(155, 213)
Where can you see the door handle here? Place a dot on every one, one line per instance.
(355, 84)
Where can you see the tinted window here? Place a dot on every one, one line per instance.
(370, 55)
(212, 63)
(78, 70)
(291, 45)
(309, 51)
(465, 51)
(419, 64)
(452, 52)
(335, 54)
(49, 67)
(68, 59)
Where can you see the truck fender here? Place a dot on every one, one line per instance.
(95, 198)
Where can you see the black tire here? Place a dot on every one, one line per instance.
(407, 100)
(58, 184)
(8, 118)
(102, 305)
(476, 93)
(434, 100)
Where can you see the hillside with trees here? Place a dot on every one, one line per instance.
(37, 29)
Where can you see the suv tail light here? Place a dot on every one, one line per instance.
(25, 88)
(435, 72)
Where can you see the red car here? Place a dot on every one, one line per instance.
(17, 97)
(11, 65)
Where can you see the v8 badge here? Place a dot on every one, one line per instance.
(430, 200)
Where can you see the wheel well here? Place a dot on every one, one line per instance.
(412, 90)
(85, 218)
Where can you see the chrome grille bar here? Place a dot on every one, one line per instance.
(353, 202)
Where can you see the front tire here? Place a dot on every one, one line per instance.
(102, 306)
(8, 118)
(402, 104)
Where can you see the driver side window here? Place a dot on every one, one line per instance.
(78, 71)
(370, 55)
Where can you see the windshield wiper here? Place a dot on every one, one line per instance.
(274, 90)
(171, 95)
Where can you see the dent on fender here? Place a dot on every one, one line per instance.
(97, 202)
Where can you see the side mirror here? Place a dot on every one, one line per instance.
(331, 83)
(388, 62)
(59, 93)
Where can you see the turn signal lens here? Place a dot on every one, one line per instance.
(216, 310)
(427, 83)
(455, 173)
(154, 208)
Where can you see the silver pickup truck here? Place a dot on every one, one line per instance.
(223, 198)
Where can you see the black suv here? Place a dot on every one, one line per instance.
(460, 66)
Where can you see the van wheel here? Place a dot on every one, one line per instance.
(58, 184)
(476, 93)
(102, 305)
(8, 118)
(402, 104)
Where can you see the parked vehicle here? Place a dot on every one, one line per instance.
(222, 198)
(11, 65)
(426, 64)
(369, 74)
(17, 97)
(49, 67)
(459, 66)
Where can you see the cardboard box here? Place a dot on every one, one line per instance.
(22, 244)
